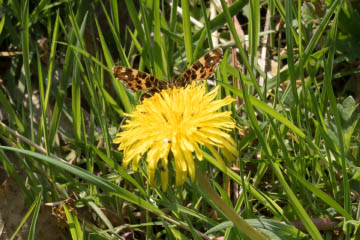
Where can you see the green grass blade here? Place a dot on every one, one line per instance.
(2, 23)
(115, 29)
(91, 179)
(320, 30)
(121, 171)
(45, 94)
(68, 64)
(35, 216)
(265, 108)
(27, 215)
(254, 28)
(135, 19)
(172, 28)
(25, 42)
(157, 49)
(36, 14)
(261, 197)
(207, 24)
(229, 212)
(115, 16)
(73, 224)
(76, 81)
(290, 48)
(320, 194)
(12, 112)
(239, 46)
(301, 213)
(121, 90)
(187, 30)
(220, 19)
(43, 126)
(333, 106)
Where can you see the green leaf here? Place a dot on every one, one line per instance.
(272, 229)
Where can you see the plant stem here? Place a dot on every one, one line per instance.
(238, 221)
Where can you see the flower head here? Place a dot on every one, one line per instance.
(177, 120)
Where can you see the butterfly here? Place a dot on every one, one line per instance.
(138, 81)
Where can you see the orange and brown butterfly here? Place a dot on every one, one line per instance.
(138, 81)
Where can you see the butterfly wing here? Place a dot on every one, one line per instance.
(202, 69)
(137, 80)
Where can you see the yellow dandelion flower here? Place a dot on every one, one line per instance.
(179, 120)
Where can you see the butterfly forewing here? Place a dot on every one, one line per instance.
(202, 69)
(137, 80)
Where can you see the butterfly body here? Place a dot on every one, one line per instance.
(137, 81)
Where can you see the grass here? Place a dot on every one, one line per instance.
(298, 159)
